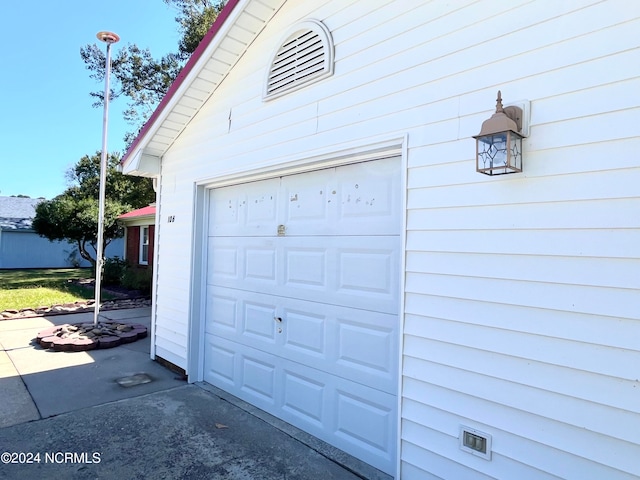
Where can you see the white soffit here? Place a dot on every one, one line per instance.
(244, 24)
(142, 165)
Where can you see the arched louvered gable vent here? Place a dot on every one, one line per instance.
(305, 56)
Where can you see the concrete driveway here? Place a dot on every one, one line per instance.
(63, 415)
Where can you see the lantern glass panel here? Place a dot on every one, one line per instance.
(499, 153)
(515, 152)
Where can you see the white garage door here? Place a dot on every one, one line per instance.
(302, 302)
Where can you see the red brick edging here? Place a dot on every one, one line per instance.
(80, 337)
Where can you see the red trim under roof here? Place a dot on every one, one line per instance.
(184, 73)
(141, 212)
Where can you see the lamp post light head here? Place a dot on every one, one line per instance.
(108, 37)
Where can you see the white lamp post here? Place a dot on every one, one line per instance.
(108, 38)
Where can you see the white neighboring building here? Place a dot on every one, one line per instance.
(326, 250)
(21, 247)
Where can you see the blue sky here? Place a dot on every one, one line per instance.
(47, 122)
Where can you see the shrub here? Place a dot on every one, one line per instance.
(114, 270)
(137, 279)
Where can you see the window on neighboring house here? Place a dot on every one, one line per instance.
(305, 56)
(144, 246)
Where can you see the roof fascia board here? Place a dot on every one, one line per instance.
(17, 230)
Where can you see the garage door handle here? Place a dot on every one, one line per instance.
(278, 319)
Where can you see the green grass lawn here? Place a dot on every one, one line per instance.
(41, 287)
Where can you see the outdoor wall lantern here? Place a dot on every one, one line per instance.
(499, 143)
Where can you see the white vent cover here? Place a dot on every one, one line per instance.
(305, 56)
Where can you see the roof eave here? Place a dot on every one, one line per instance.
(178, 86)
(141, 165)
(149, 218)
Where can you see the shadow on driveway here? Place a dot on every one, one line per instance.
(66, 414)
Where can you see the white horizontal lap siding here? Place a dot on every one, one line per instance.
(522, 313)
(522, 308)
(290, 124)
(174, 260)
(172, 338)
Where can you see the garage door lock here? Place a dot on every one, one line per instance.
(279, 320)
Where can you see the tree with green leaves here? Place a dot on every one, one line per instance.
(73, 215)
(144, 80)
(141, 78)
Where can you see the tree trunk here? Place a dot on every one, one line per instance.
(85, 254)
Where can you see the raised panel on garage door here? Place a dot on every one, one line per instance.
(245, 209)
(302, 302)
(356, 345)
(360, 199)
(341, 270)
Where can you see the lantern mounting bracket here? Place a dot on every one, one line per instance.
(515, 114)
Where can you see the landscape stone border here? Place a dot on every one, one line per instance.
(80, 337)
(77, 307)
